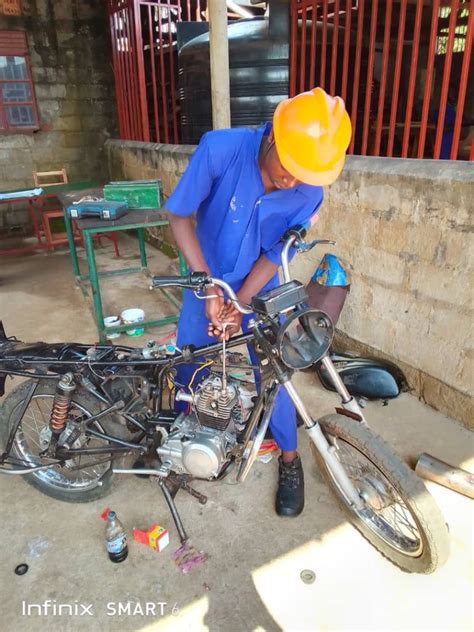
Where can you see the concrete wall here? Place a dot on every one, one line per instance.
(406, 228)
(70, 54)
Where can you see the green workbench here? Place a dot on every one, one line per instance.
(135, 219)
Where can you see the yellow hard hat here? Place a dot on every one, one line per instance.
(312, 133)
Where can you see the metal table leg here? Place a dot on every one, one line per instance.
(94, 281)
(36, 225)
(141, 245)
(72, 245)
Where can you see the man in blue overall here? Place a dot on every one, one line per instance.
(247, 187)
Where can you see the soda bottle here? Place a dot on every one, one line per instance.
(117, 547)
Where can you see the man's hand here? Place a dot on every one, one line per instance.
(232, 319)
(215, 305)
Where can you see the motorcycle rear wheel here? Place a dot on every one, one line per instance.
(67, 483)
(399, 518)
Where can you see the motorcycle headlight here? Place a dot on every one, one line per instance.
(304, 338)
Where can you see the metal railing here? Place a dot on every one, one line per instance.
(144, 49)
(402, 66)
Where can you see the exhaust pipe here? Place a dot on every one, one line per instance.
(444, 474)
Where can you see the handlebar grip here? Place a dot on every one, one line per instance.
(193, 280)
(297, 231)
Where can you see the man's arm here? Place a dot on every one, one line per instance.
(258, 277)
(187, 242)
(184, 233)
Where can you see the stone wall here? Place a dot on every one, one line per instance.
(70, 55)
(406, 228)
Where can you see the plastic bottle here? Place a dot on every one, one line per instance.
(117, 547)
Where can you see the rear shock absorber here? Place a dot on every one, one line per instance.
(60, 410)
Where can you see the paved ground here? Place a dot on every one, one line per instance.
(252, 578)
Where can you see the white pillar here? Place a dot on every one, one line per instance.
(219, 53)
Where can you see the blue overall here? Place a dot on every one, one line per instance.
(236, 223)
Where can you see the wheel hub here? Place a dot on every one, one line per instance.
(375, 494)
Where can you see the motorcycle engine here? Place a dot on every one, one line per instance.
(199, 443)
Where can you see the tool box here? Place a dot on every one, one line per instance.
(142, 194)
(100, 209)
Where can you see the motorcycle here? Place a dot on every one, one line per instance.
(85, 407)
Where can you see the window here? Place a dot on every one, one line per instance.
(18, 110)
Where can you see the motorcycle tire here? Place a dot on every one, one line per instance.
(390, 489)
(61, 483)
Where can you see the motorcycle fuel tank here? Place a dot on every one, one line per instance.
(365, 377)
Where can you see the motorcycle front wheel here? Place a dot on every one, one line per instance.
(81, 479)
(399, 516)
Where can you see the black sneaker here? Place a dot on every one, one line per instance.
(290, 494)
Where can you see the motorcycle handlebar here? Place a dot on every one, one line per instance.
(198, 281)
(294, 236)
(193, 281)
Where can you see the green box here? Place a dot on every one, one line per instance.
(138, 193)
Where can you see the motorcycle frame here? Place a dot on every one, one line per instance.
(281, 376)
(33, 366)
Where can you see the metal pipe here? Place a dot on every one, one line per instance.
(412, 79)
(26, 470)
(370, 74)
(335, 37)
(251, 453)
(138, 76)
(463, 85)
(429, 77)
(219, 58)
(396, 77)
(383, 82)
(284, 259)
(293, 48)
(119, 94)
(26, 402)
(162, 78)
(154, 91)
(130, 87)
(336, 378)
(312, 54)
(106, 437)
(174, 512)
(243, 309)
(172, 76)
(446, 78)
(121, 17)
(355, 84)
(347, 44)
(184, 397)
(324, 45)
(236, 8)
(145, 471)
(325, 449)
(304, 17)
(433, 469)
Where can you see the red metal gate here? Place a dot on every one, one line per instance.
(403, 67)
(144, 50)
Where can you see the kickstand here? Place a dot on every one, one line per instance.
(174, 512)
(177, 482)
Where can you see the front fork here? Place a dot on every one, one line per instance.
(313, 428)
(349, 403)
(326, 450)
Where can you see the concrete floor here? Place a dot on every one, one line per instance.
(251, 580)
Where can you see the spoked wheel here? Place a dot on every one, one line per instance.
(399, 517)
(82, 478)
